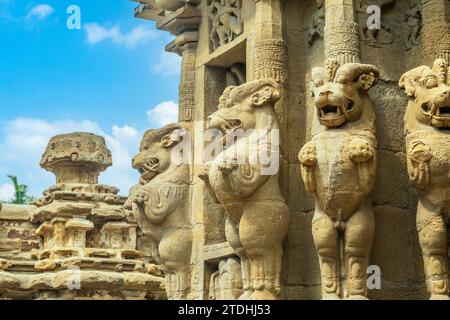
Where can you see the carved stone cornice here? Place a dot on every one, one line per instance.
(185, 41)
(187, 18)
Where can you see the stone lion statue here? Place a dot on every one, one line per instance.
(427, 124)
(258, 217)
(338, 166)
(160, 205)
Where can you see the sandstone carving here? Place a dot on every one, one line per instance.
(86, 240)
(427, 120)
(160, 204)
(226, 21)
(377, 36)
(257, 214)
(317, 23)
(249, 229)
(226, 282)
(414, 21)
(338, 167)
(235, 75)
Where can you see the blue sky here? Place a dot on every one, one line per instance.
(111, 77)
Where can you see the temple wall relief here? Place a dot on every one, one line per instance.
(427, 119)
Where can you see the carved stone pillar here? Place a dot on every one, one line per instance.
(186, 45)
(341, 31)
(270, 60)
(436, 27)
(184, 23)
(187, 82)
(270, 55)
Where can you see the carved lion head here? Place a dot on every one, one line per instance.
(238, 106)
(155, 151)
(429, 91)
(338, 90)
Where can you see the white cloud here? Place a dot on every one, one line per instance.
(6, 192)
(124, 132)
(25, 140)
(169, 64)
(97, 33)
(164, 113)
(40, 11)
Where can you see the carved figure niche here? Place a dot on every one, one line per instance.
(225, 20)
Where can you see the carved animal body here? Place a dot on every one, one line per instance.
(161, 207)
(337, 179)
(338, 165)
(257, 214)
(427, 120)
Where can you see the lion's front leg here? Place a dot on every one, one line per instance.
(308, 161)
(419, 157)
(158, 202)
(362, 154)
(244, 178)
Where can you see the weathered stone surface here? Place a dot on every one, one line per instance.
(77, 239)
(258, 218)
(159, 203)
(427, 121)
(227, 43)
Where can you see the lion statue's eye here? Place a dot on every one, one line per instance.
(318, 82)
(341, 79)
(431, 82)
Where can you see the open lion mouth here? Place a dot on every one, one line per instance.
(443, 111)
(330, 111)
(149, 169)
(436, 111)
(229, 127)
(438, 114)
(233, 124)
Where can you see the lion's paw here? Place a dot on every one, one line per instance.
(307, 155)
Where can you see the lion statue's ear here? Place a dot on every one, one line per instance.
(367, 80)
(408, 84)
(170, 140)
(267, 94)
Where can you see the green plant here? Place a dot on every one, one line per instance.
(20, 192)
